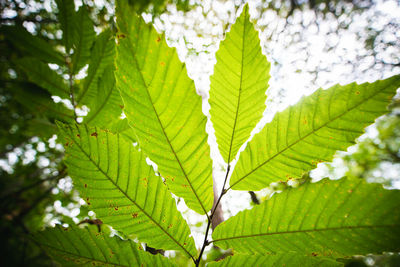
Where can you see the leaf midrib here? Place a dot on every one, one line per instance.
(127, 196)
(240, 88)
(308, 231)
(302, 138)
(163, 130)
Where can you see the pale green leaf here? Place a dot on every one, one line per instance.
(66, 17)
(330, 218)
(280, 259)
(311, 131)
(40, 74)
(162, 106)
(102, 56)
(107, 105)
(116, 182)
(238, 85)
(84, 36)
(74, 246)
(32, 45)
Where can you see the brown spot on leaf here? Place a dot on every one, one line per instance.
(67, 143)
(357, 92)
(92, 222)
(121, 106)
(85, 185)
(93, 134)
(170, 225)
(158, 39)
(116, 208)
(314, 254)
(134, 215)
(121, 36)
(78, 135)
(162, 63)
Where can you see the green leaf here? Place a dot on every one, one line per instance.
(114, 178)
(40, 74)
(84, 36)
(32, 45)
(237, 90)
(107, 105)
(330, 218)
(122, 128)
(280, 259)
(162, 106)
(40, 103)
(74, 246)
(66, 17)
(102, 56)
(311, 131)
(40, 127)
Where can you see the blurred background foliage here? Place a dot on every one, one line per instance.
(311, 44)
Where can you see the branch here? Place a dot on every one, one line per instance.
(210, 218)
(218, 215)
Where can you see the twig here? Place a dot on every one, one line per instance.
(206, 242)
(71, 86)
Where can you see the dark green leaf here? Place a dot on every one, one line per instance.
(40, 74)
(84, 36)
(67, 18)
(32, 45)
(102, 57)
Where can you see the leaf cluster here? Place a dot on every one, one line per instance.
(142, 105)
